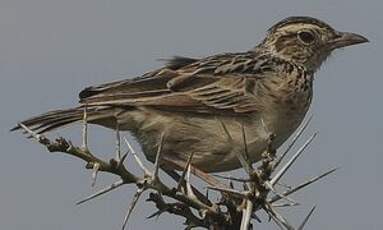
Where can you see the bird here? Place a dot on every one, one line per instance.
(204, 106)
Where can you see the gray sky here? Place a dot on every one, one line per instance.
(51, 49)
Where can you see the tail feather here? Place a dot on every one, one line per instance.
(57, 118)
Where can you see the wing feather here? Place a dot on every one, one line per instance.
(211, 85)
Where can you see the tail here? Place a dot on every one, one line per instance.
(59, 118)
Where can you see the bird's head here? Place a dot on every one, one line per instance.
(306, 41)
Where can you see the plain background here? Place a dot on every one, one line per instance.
(51, 49)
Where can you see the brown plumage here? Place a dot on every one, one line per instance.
(267, 90)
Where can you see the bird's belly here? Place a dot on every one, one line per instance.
(215, 142)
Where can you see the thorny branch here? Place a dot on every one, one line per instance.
(235, 210)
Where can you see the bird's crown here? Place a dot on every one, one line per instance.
(305, 41)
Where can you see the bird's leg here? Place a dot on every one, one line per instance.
(85, 129)
(118, 142)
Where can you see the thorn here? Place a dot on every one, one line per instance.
(102, 191)
(295, 138)
(129, 146)
(181, 180)
(246, 215)
(189, 189)
(254, 216)
(278, 217)
(307, 218)
(158, 157)
(118, 142)
(139, 162)
(232, 178)
(276, 221)
(284, 185)
(271, 188)
(284, 169)
(96, 167)
(131, 206)
(285, 205)
(157, 213)
(85, 129)
(297, 188)
(121, 162)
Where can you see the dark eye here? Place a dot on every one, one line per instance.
(306, 37)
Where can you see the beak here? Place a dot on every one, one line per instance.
(344, 39)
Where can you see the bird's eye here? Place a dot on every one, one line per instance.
(306, 37)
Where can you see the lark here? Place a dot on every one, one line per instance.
(201, 106)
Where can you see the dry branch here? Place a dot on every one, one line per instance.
(236, 208)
